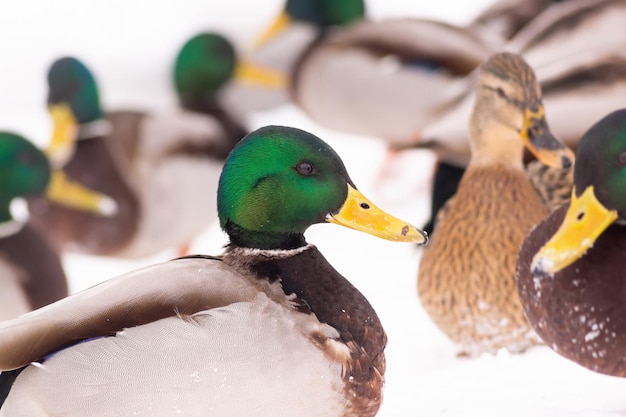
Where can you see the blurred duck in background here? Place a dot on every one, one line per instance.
(466, 275)
(212, 79)
(151, 166)
(31, 274)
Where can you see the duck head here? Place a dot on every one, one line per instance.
(509, 108)
(207, 61)
(73, 100)
(598, 197)
(278, 181)
(25, 171)
(321, 14)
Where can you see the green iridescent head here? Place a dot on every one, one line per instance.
(24, 170)
(204, 64)
(325, 13)
(276, 183)
(601, 162)
(70, 82)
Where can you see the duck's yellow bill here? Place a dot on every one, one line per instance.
(259, 76)
(361, 214)
(542, 143)
(64, 133)
(72, 194)
(281, 22)
(584, 222)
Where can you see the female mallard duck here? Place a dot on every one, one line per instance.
(466, 276)
(152, 166)
(581, 75)
(31, 274)
(571, 280)
(268, 329)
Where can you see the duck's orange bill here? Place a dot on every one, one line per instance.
(69, 193)
(584, 222)
(542, 143)
(258, 75)
(279, 24)
(361, 214)
(64, 133)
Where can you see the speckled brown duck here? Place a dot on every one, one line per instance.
(152, 166)
(570, 267)
(31, 274)
(268, 329)
(466, 276)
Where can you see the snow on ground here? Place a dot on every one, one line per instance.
(130, 46)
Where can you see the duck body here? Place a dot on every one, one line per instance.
(149, 165)
(374, 70)
(229, 314)
(26, 284)
(270, 328)
(472, 295)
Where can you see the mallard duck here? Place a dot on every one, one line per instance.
(360, 76)
(569, 270)
(466, 276)
(31, 274)
(211, 78)
(507, 17)
(267, 329)
(151, 165)
(581, 75)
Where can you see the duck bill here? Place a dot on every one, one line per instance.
(542, 143)
(278, 26)
(64, 133)
(69, 193)
(256, 75)
(361, 214)
(584, 222)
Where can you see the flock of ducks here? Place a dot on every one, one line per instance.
(526, 251)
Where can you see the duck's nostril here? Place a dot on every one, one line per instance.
(566, 162)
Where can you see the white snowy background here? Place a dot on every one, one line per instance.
(130, 46)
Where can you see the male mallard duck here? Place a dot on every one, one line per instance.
(507, 17)
(152, 166)
(210, 78)
(581, 75)
(267, 329)
(31, 274)
(465, 280)
(363, 76)
(570, 280)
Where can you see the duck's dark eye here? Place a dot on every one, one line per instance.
(500, 92)
(305, 168)
(26, 158)
(621, 158)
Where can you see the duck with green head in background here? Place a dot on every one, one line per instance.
(212, 78)
(152, 166)
(31, 273)
(570, 267)
(269, 328)
(466, 276)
